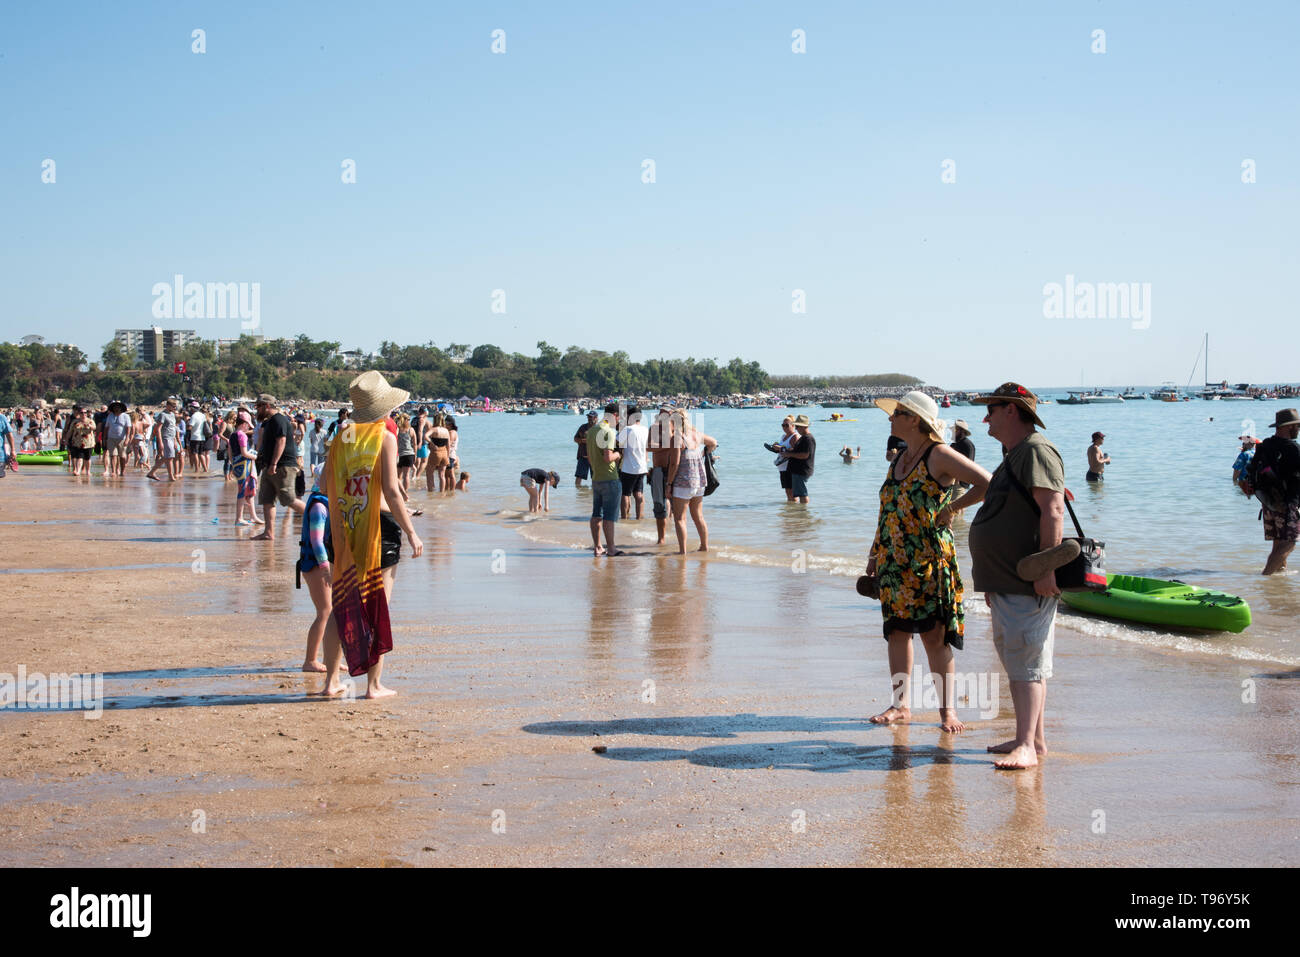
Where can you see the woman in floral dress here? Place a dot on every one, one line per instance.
(914, 557)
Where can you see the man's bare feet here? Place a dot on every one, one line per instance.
(1006, 747)
(314, 667)
(264, 537)
(1018, 759)
(891, 715)
(379, 691)
(949, 721)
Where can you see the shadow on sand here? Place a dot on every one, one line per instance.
(814, 755)
(705, 726)
(805, 756)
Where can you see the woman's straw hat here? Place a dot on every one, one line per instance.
(922, 406)
(373, 398)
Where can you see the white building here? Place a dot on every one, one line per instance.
(149, 345)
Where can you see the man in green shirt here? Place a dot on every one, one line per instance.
(1021, 515)
(606, 489)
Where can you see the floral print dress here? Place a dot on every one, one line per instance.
(916, 561)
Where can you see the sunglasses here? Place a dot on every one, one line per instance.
(900, 411)
(994, 406)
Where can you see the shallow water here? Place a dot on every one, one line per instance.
(1167, 509)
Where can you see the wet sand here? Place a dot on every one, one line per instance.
(515, 658)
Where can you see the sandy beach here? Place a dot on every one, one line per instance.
(515, 659)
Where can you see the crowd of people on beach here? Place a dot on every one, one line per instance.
(362, 464)
(670, 452)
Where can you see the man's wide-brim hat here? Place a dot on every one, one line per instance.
(922, 406)
(1016, 394)
(117, 408)
(802, 420)
(1286, 417)
(373, 398)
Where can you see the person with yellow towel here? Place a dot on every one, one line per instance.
(367, 517)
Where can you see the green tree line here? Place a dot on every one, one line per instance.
(304, 368)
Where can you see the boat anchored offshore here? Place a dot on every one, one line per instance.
(1154, 601)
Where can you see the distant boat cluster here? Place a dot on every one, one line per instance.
(1242, 392)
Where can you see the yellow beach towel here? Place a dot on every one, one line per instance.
(355, 468)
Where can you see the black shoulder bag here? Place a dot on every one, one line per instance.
(711, 482)
(1088, 571)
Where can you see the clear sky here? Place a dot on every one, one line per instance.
(774, 171)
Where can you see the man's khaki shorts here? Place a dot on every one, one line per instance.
(278, 486)
(1024, 632)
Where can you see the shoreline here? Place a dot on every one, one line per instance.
(762, 682)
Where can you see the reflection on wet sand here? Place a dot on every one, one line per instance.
(935, 821)
(681, 621)
(267, 577)
(657, 608)
(1029, 811)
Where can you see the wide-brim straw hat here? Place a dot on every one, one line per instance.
(373, 398)
(1286, 417)
(802, 420)
(922, 406)
(1016, 394)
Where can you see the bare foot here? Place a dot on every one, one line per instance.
(891, 715)
(949, 721)
(329, 691)
(1006, 747)
(1018, 759)
(702, 548)
(264, 537)
(315, 667)
(599, 551)
(379, 691)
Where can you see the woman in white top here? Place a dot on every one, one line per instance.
(686, 480)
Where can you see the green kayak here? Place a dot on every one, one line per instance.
(1154, 601)
(41, 458)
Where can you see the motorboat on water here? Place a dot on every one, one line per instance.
(1092, 398)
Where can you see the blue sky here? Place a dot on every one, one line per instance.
(774, 171)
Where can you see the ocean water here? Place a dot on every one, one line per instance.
(1168, 508)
